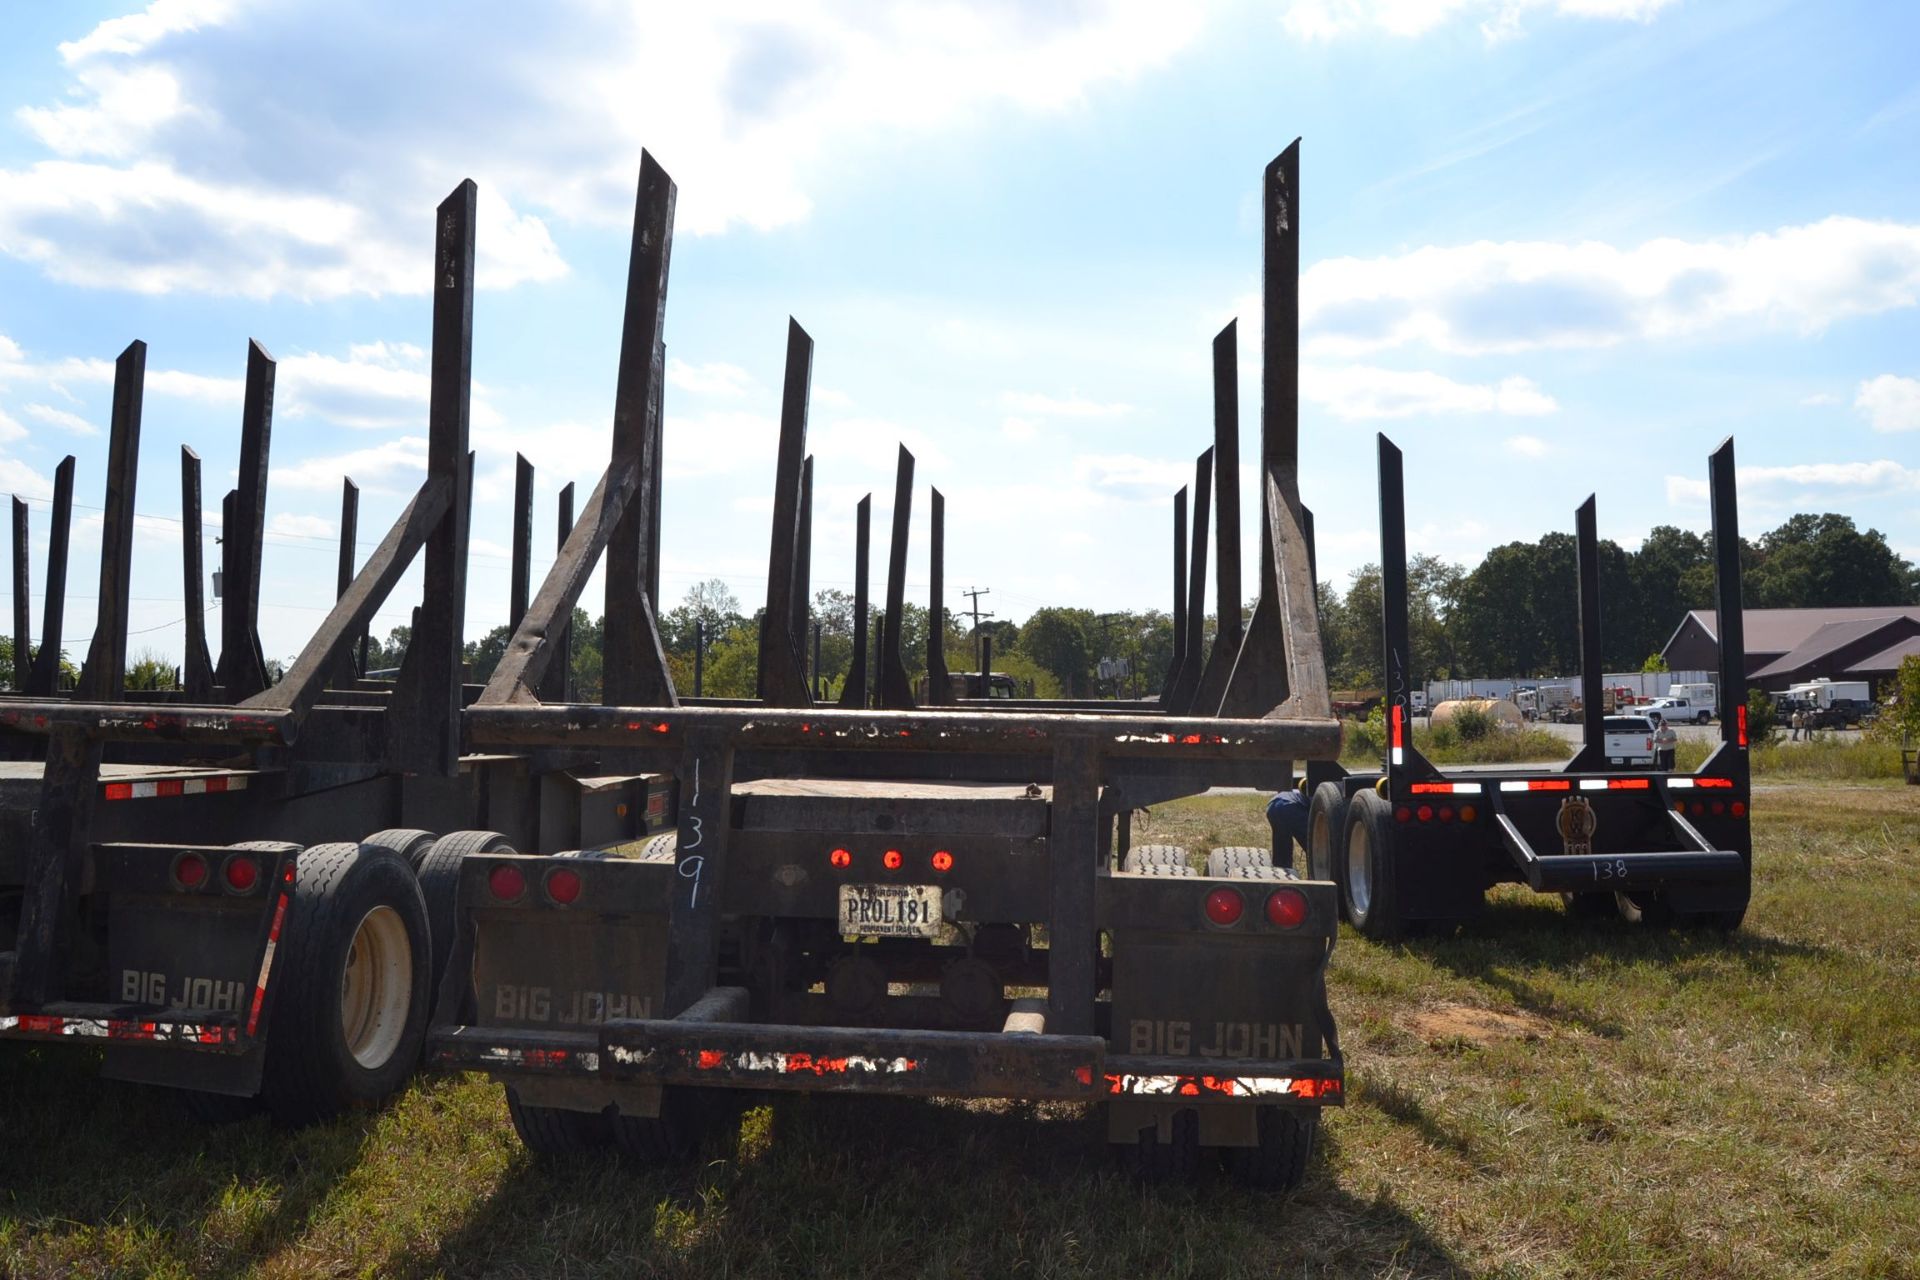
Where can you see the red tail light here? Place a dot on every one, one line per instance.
(891, 859)
(1445, 813)
(840, 858)
(505, 882)
(563, 885)
(1424, 813)
(190, 871)
(1287, 908)
(942, 860)
(1719, 807)
(242, 874)
(1740, 722)
(1739, 809)
(1224, 907)
(1402, 814)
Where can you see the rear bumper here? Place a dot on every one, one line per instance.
(116, 1024)
(725, 1055)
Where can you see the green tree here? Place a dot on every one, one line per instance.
(1816, 561)
(1655, 665)
(1056, 640)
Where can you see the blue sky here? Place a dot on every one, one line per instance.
(1551, 246)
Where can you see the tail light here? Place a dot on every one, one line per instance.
(1287, 908)
(891, 859)
(942, 860)
(506, 882)
(1739, 809)
(1444, 813)
(1468, 813)
(563, 885)
(189, 871)
(1424, 813)
(841, 859)
(1225, 907)
(1719, 807)
(1402, 813)
(241, 873)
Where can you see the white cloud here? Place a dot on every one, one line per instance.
(714, 379)
(1035, 404)
(874, 443)
(17, 477)
(1854, 479)
(1891, 403)
(1499, 19)
(391, 467)
(1360, 392)
(1129, 477)
(1527, 446)
(297, 526)
(9, 429)
(1020, 429)
(1513, 296)
(179, 161)
(1819, 399)
(61, 418)
(831, 398)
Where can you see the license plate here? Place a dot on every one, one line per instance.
(889, 910)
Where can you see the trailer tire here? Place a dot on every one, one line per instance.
(1151, 1160)
(1156, 860)
(355, 908)
(410, 843)
(1230, 860)
(1588, 906)
(1371, 887)
(219, 1109)
(1279, 1162)
(439, 875)
(1326, 834)
(673, 1136)
(550, 1131)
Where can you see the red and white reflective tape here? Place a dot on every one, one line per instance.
(777, 1064)
(537, 1059)
(207, 1033)
(174, 787)
(266, 961)
(1222, 1086)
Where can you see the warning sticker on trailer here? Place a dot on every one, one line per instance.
(889, 910)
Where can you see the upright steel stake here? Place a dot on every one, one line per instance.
(699, 657)
(1730, 620)
(782, 679)
(803, 554)
(22, 611)
(243, 668)
(354, 665)
(939, 683)
(103, 679)
(522, 541)
(46, 667)
(424, 719)
(854, 692)
(1593, 744)
(555, 688)
(1179, 661)
(1229, 629)
(198, 668)
(896, 691)
(1179, 699)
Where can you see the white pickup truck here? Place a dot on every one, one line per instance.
(1677, 710)
(1629, 739)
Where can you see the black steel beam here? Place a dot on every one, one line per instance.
(555, 687)
(1073, 850)
(1228, 628)
(1279, 341)
(1401, 756)
(46, 667)
(782, 678)
(423, 722)
(1730, 621)
(939, 685)
(964, 731)
(635, 671)
(700, 867)
(1179, 661)
(198, 664)
(896, 691)
(522, 541)
(103, 679)
(243, 669)
(22, 601)
(1592, 755)
(803, 556)
(352, 664)
(1180, 698)
(854, 693)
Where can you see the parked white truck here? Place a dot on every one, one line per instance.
(1703, 699)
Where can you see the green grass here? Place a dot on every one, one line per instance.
(1362, 746)
(1533, 1097)
(1827, 758)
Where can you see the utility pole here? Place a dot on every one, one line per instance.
(977, 616)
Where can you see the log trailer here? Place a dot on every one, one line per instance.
(630, 913)
(1414, 844)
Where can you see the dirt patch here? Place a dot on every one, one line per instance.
(1445, 1022)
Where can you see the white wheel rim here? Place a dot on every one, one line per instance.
(1359, 887)
(376, 987)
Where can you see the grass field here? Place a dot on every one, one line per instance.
(1538, 1097)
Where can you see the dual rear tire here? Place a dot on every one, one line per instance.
(1276, 1162)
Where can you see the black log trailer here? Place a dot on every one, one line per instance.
(252, 893)
(1414, 844)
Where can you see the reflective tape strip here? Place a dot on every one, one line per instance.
(780, 1064)
(1679, 782)
(1593, 784)
(266, 964)
(120, 1029)
(1399, 756)
(1445, 788)
(548, 1059)
(1224, 1086)
(173, 787)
